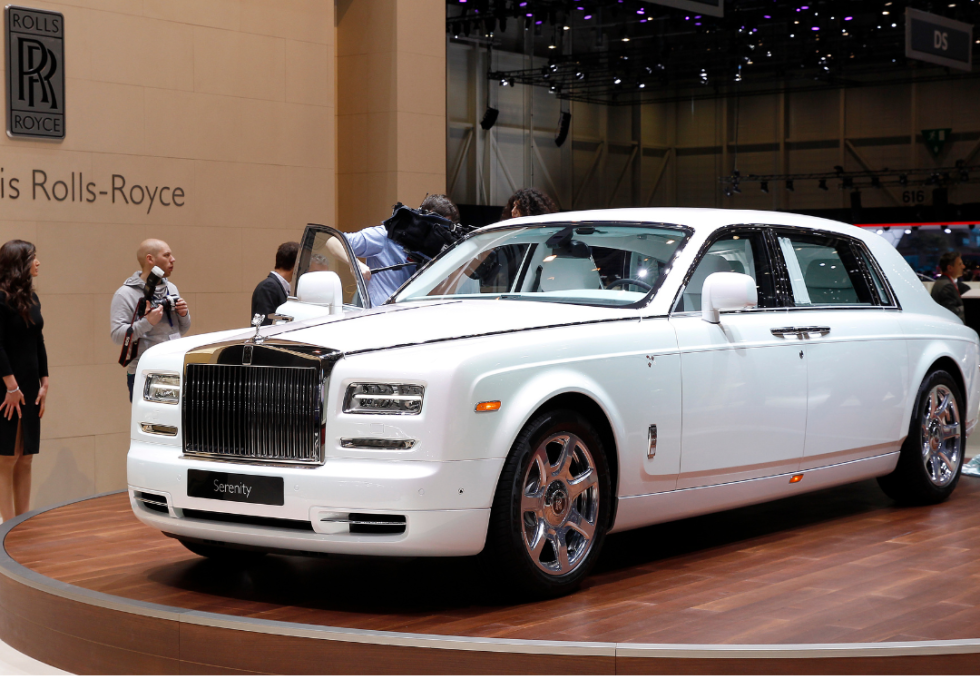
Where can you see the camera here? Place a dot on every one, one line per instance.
(153, 280)
(169, 302)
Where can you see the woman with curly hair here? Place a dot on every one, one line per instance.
(24, 368)
(528, 202)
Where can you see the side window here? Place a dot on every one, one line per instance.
(743, 252)
(884, 298)
(824, 271)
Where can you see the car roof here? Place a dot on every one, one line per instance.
(701, 220)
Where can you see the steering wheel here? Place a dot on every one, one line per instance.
(629, 280)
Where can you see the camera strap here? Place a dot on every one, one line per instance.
(130, 346)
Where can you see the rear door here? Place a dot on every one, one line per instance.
(744, 388)
(858, 376)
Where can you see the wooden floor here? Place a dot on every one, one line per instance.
(841, 566)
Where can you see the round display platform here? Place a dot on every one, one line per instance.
(841, 581)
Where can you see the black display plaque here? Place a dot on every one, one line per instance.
(716, 8)
(35, 73)
(235, 487)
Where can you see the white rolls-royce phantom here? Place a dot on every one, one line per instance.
(547, 381)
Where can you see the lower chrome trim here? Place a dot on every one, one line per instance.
(368, 443)
(161, 430)
(642, 510)
(233, 461)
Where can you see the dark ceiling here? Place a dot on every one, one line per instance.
(631, 51)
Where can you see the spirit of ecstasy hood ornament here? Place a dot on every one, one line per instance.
(257, 323)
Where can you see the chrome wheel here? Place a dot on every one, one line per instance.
(559, 504)
(941, 436)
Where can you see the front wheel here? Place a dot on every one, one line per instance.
(551, 508)
(932, 455)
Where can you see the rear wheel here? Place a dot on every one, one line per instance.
(932, 455)
(551, 509)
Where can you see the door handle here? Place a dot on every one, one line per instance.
(800, 331)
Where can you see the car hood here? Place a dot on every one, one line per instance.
(408, 324)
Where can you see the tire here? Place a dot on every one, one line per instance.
(224, 554)
(551, 508)
(931, 459)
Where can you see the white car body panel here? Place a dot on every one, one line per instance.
(743, 387)
(736, 408)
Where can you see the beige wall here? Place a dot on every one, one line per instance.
(231, 100)
(391, 107)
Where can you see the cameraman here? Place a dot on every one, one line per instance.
(373, 245)
(157, 324)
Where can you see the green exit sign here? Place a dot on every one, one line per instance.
(936, 139)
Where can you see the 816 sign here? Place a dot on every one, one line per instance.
(913, 196)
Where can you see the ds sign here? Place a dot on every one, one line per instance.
(938, 40)
(35, 73)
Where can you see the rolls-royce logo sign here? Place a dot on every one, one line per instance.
(35, 73)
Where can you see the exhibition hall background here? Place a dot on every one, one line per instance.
(241, 104)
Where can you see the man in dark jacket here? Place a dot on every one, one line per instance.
(273, 291)
(947, 291)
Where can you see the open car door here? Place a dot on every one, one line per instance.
(324, 249)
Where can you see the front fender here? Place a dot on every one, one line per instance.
(530, 393)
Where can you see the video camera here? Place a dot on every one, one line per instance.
(422, 233)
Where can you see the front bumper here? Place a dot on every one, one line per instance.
(446, 505)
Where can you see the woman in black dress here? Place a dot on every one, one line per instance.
(24, 368)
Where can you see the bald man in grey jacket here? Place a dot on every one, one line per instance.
(157, 325)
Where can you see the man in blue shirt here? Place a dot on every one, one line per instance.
(373, 245)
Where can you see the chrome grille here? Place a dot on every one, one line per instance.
(253, 412)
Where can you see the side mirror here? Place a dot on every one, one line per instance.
(321, 289)
(723, 291)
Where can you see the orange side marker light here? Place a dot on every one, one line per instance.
(797, 478)
(488, 406)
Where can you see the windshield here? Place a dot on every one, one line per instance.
(594, 264)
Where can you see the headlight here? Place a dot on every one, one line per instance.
(384, 399)
(162, 388)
